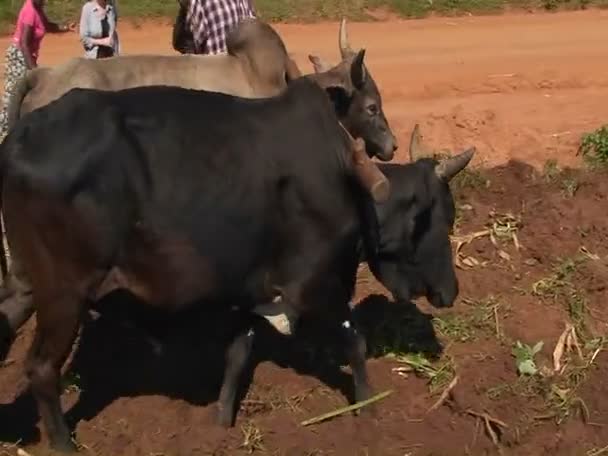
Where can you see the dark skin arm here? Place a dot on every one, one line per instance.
(53, 27)
(26, 37)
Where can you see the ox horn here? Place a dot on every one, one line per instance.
(345, 49)
(448, 168)
(417, 150)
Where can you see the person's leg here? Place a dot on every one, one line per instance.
(14, 69)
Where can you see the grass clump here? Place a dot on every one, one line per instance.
(482, 316)
(253, 438)
(439, 375)
(568, 184)
(594, 147)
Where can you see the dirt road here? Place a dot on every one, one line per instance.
(522, 86)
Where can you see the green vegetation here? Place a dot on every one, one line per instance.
(524, 357)
(568, 184)
(594, 146)
(306, 10)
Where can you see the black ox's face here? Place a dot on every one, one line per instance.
(361, 113)
(429, 268)
(415, 257)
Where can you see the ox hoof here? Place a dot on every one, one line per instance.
(224, 418)
(64, 446)
(369, 411)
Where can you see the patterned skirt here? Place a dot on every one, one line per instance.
(14, 69)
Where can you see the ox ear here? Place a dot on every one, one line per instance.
(358, 73)
(292, 71)
(319, 65)
(335, 80)
(448, 168)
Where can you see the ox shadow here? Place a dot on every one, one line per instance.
(398, 327)
(131, 350)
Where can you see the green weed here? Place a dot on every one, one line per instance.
(524, 357)
(439, 375)
(594, 146)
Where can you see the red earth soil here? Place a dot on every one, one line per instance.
(520, 87)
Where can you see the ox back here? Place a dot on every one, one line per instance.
(186, 201)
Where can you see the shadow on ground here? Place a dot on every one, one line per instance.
(130, 350)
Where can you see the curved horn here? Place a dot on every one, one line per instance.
(448, 168)
(345, 49)
(416, 151)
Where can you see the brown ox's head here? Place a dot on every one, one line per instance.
(341, 84)
(362, 114)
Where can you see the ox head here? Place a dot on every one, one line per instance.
(361, 114)
(416, 225)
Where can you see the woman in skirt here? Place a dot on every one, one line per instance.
(22, 52)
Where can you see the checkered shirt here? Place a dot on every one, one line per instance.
(210, 20)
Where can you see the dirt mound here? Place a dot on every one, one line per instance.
(151, 388)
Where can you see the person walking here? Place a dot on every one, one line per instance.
(23, 50)
(182, 40)
(210, 20)
(98, 33)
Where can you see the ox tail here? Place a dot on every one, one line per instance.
(6, 331)
(20, 90)
(3, 254)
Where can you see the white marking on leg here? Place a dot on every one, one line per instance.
(346, 324)
(274, 314)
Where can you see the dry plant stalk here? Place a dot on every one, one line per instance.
(343, 410)
(22, 452)
(567, 342)
(505, 226)
(461, 241)
(444, 395)
(488, 422)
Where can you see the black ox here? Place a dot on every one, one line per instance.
(414, 256)
(187, 196)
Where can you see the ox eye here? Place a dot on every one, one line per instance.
(372, 109)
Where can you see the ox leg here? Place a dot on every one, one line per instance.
(16, 306)
(356, 350)
(58, 319)
(237, 357)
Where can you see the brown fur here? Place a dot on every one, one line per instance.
(257, 65)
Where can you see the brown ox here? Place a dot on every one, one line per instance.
(256, 66)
